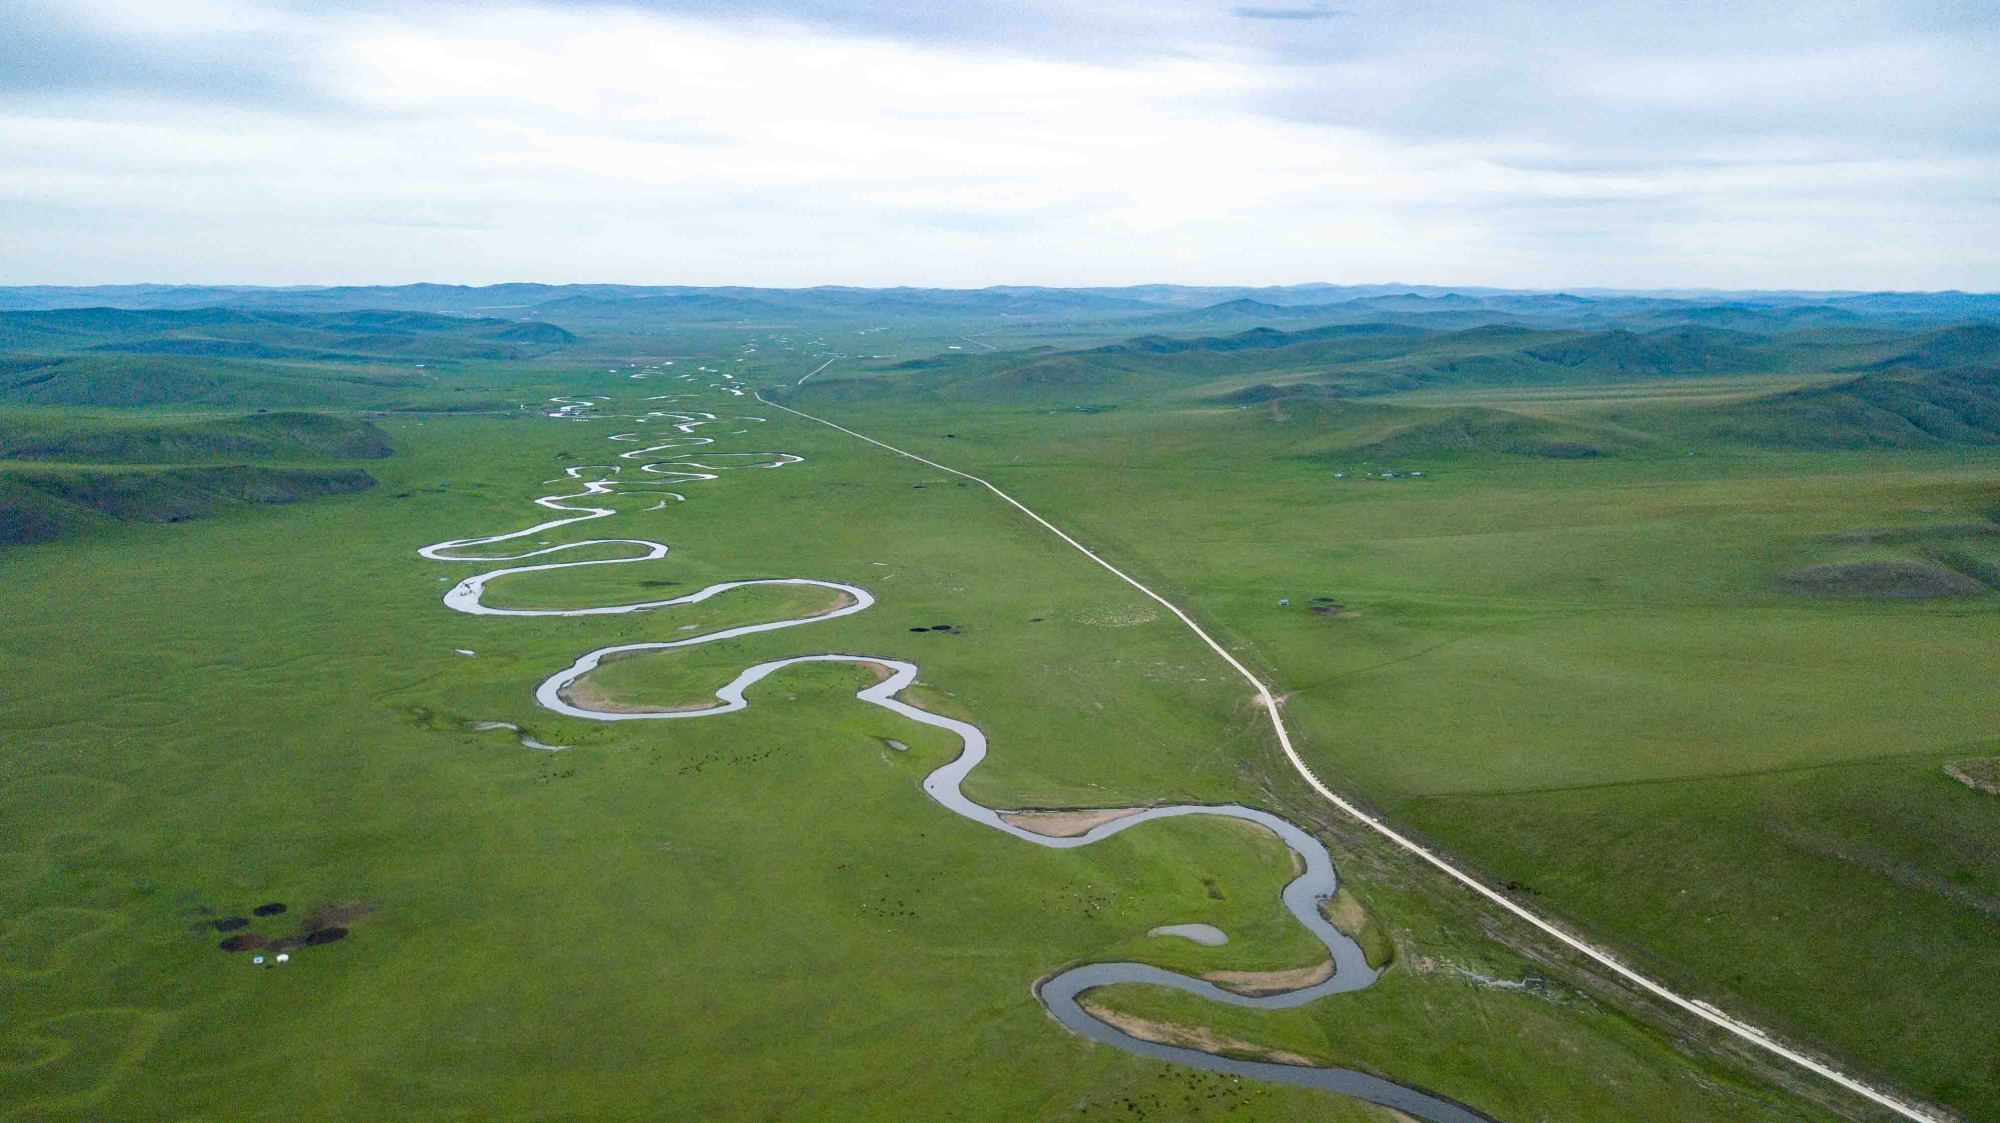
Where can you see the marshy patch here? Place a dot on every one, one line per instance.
(1982, 775)
(323, 925)
(332, 916)
(1880, 580)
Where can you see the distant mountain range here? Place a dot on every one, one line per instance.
(597, 307)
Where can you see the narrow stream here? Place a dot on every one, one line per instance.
(1060, 993)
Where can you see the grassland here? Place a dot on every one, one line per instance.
(750, 917)
(1682, 636)
(1607, 682)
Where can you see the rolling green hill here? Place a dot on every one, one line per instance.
(1909, 389)
(1348, 431)
(1868, 412)
(1873, 411)
(142, 381)
(289, 435)
(1351, 359)
(1513, 356)
(325, 337)
(65, 472)
(42, 504)
(1954, 348)
(1475, 429)
(1053, 379)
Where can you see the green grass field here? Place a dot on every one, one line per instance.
(748, 917)
(1602, 681)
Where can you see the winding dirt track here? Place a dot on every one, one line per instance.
(1060, 993)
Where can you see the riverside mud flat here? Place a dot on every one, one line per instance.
(1059, 993)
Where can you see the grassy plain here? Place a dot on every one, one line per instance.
(748, 917)
(1590, 678)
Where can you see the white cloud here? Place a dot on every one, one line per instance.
(617, 144)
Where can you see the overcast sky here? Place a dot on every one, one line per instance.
(796, 142)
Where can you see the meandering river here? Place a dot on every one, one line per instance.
(688, 457)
